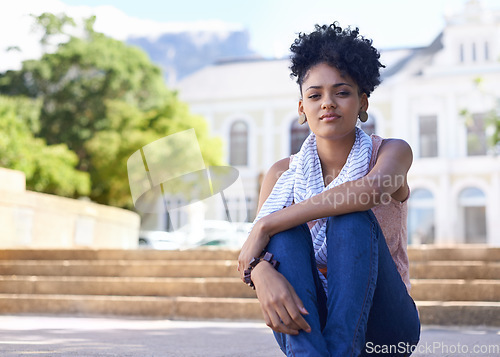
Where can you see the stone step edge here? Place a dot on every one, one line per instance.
(210, 279)
(459, 313)
(431, 312)
(216, 287)
(165, 307)
(421, 253)
(214, 299)
(114, 279)
(118, 254)
(495, 304)
(222, 262)
(106, 262)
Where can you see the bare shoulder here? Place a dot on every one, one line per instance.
(271, 177)
(394, 159)
(395, 144)
(278, 168)
(396, 149)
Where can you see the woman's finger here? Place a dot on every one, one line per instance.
(286, 321)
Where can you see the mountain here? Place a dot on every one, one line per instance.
(181, 53)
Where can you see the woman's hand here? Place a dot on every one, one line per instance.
(254, 245)
(280, 305)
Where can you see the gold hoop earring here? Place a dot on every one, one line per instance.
(302, 118)
(363, 116)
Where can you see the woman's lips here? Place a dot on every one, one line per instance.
(329, 117)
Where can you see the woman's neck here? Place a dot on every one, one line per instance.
(333, 154)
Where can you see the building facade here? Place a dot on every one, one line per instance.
(441, 99)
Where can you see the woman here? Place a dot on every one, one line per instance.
(334, 282)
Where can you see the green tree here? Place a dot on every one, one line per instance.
(49, 169)
(75, 82)
(104, 100)
(491, 118)
(494, 117)
(129, 130)
(52, 25)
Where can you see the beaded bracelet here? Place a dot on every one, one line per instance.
(268, 257)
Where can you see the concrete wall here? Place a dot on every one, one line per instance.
(37, 220)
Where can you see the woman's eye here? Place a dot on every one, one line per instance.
(313, 96)
(343, 93)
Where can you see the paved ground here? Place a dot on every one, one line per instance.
(83, 336)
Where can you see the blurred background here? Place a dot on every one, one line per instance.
(85, 84)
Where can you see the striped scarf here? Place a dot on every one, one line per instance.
(304, 179)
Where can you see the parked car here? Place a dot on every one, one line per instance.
(160, 240)
(209, 233)
(224, 234)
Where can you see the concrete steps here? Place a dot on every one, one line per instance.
(455, 285)
(454, 270)
(153, 306)
(121, 268)
(171, 287)
(422, 289)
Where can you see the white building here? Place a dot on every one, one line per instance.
(438, 98)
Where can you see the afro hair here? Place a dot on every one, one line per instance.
(344, 49)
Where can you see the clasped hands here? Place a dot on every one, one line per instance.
(281, 307)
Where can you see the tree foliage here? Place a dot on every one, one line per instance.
(491, 119)
(129, 130)
(48, 169)
(103, 100)
(52, 25)
(74, 83)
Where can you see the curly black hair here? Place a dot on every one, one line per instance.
(344, 49)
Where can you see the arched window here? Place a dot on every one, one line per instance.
(238, 139)
(472, 202)
(421, 220)
(369, 126)
(298, 133)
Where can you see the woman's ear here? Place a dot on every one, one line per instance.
(364, 102)
(300, 108)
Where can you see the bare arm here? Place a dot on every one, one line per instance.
(270, 179)
(387, 179)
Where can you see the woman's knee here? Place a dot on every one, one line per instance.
(296, 237)
(294, 250)
(355, 224)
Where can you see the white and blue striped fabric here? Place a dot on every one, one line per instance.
(304, 179)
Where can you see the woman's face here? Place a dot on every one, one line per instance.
(331, 102)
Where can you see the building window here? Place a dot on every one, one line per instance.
(298, 133)
(369, 126)
(237, 208)
(476, 135)
(462, 54)
(486, 52)
(473, 52)
(472, 202)
(238, 139)
(427, 125)
(421, 220)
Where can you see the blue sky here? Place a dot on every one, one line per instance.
(272, 24)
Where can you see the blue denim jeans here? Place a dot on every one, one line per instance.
(367, 309)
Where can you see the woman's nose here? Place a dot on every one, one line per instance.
(328, 102)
